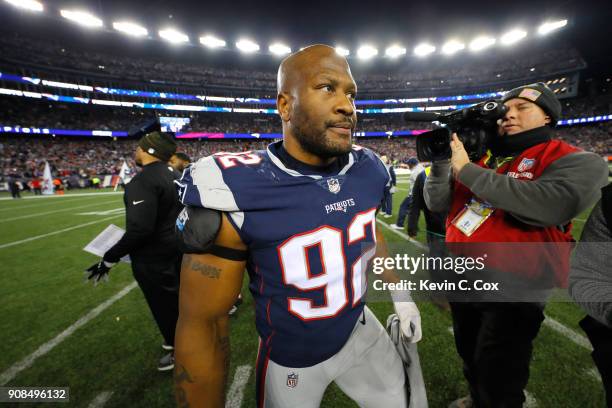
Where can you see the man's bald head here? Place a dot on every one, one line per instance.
(316, 103)
(299, 66)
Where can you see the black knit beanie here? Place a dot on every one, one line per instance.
(158, 144)
(540, 94)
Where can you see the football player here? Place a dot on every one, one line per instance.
(301, 217)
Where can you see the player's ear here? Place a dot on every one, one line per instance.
(283, 104)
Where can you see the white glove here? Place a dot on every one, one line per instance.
(410, 320)
(392, 190)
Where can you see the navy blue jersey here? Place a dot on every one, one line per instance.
(309, 237)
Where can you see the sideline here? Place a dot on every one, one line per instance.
(27, 362)
(22, 241)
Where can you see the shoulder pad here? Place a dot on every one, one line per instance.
(203, 184)
(197, 229)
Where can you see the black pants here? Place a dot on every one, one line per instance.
(403, 210)
(15, 191)
(159, 283)
(601, 339)
(437, 249)
(495, 342)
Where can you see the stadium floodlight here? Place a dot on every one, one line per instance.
(82, 17)
(279, 49)
(31, 5)
(132, 29)
(551, 26)
(480, 43)
(173, 36)
(247, 46)
(423, 49)
(211, 41)
(513, 36)
(366, 52)
(395, 51)
(452, 46)
(342, 51)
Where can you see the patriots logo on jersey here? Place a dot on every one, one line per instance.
(292, 380)
(334, 185)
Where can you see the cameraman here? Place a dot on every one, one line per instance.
(151, 208)
(526, 189)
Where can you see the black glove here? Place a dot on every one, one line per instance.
(98, 271)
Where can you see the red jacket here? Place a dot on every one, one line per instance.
(529, 260)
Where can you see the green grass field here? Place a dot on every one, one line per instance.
(116, 351)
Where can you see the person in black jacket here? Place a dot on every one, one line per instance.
(590, 285)
(435, 223)
(152, 205)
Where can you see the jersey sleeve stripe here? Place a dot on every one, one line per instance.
(204, 186)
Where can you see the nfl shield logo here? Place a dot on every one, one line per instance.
(525, 164)
(333, 185)
(292, 380)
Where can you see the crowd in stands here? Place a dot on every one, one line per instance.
(23, 112)
(583, 107)
(26, 112)
(593, 138)
(17, 50)
(23, 156)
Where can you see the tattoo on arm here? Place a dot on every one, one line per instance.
(181, 375)
(209, 271)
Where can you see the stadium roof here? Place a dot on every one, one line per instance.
(379, 23)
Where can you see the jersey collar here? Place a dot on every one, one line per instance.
(292, 172)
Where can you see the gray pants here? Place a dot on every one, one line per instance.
(368, 369)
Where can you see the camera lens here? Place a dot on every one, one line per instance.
(489, 106)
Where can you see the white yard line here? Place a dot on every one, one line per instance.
(530, 401)
(593, 373)
(579, 339)
(23, 217)
(100, 400)
(401, 234)
(23, 241)
(61, 196)
(18, 367)
(70, 200)
(236, 391)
